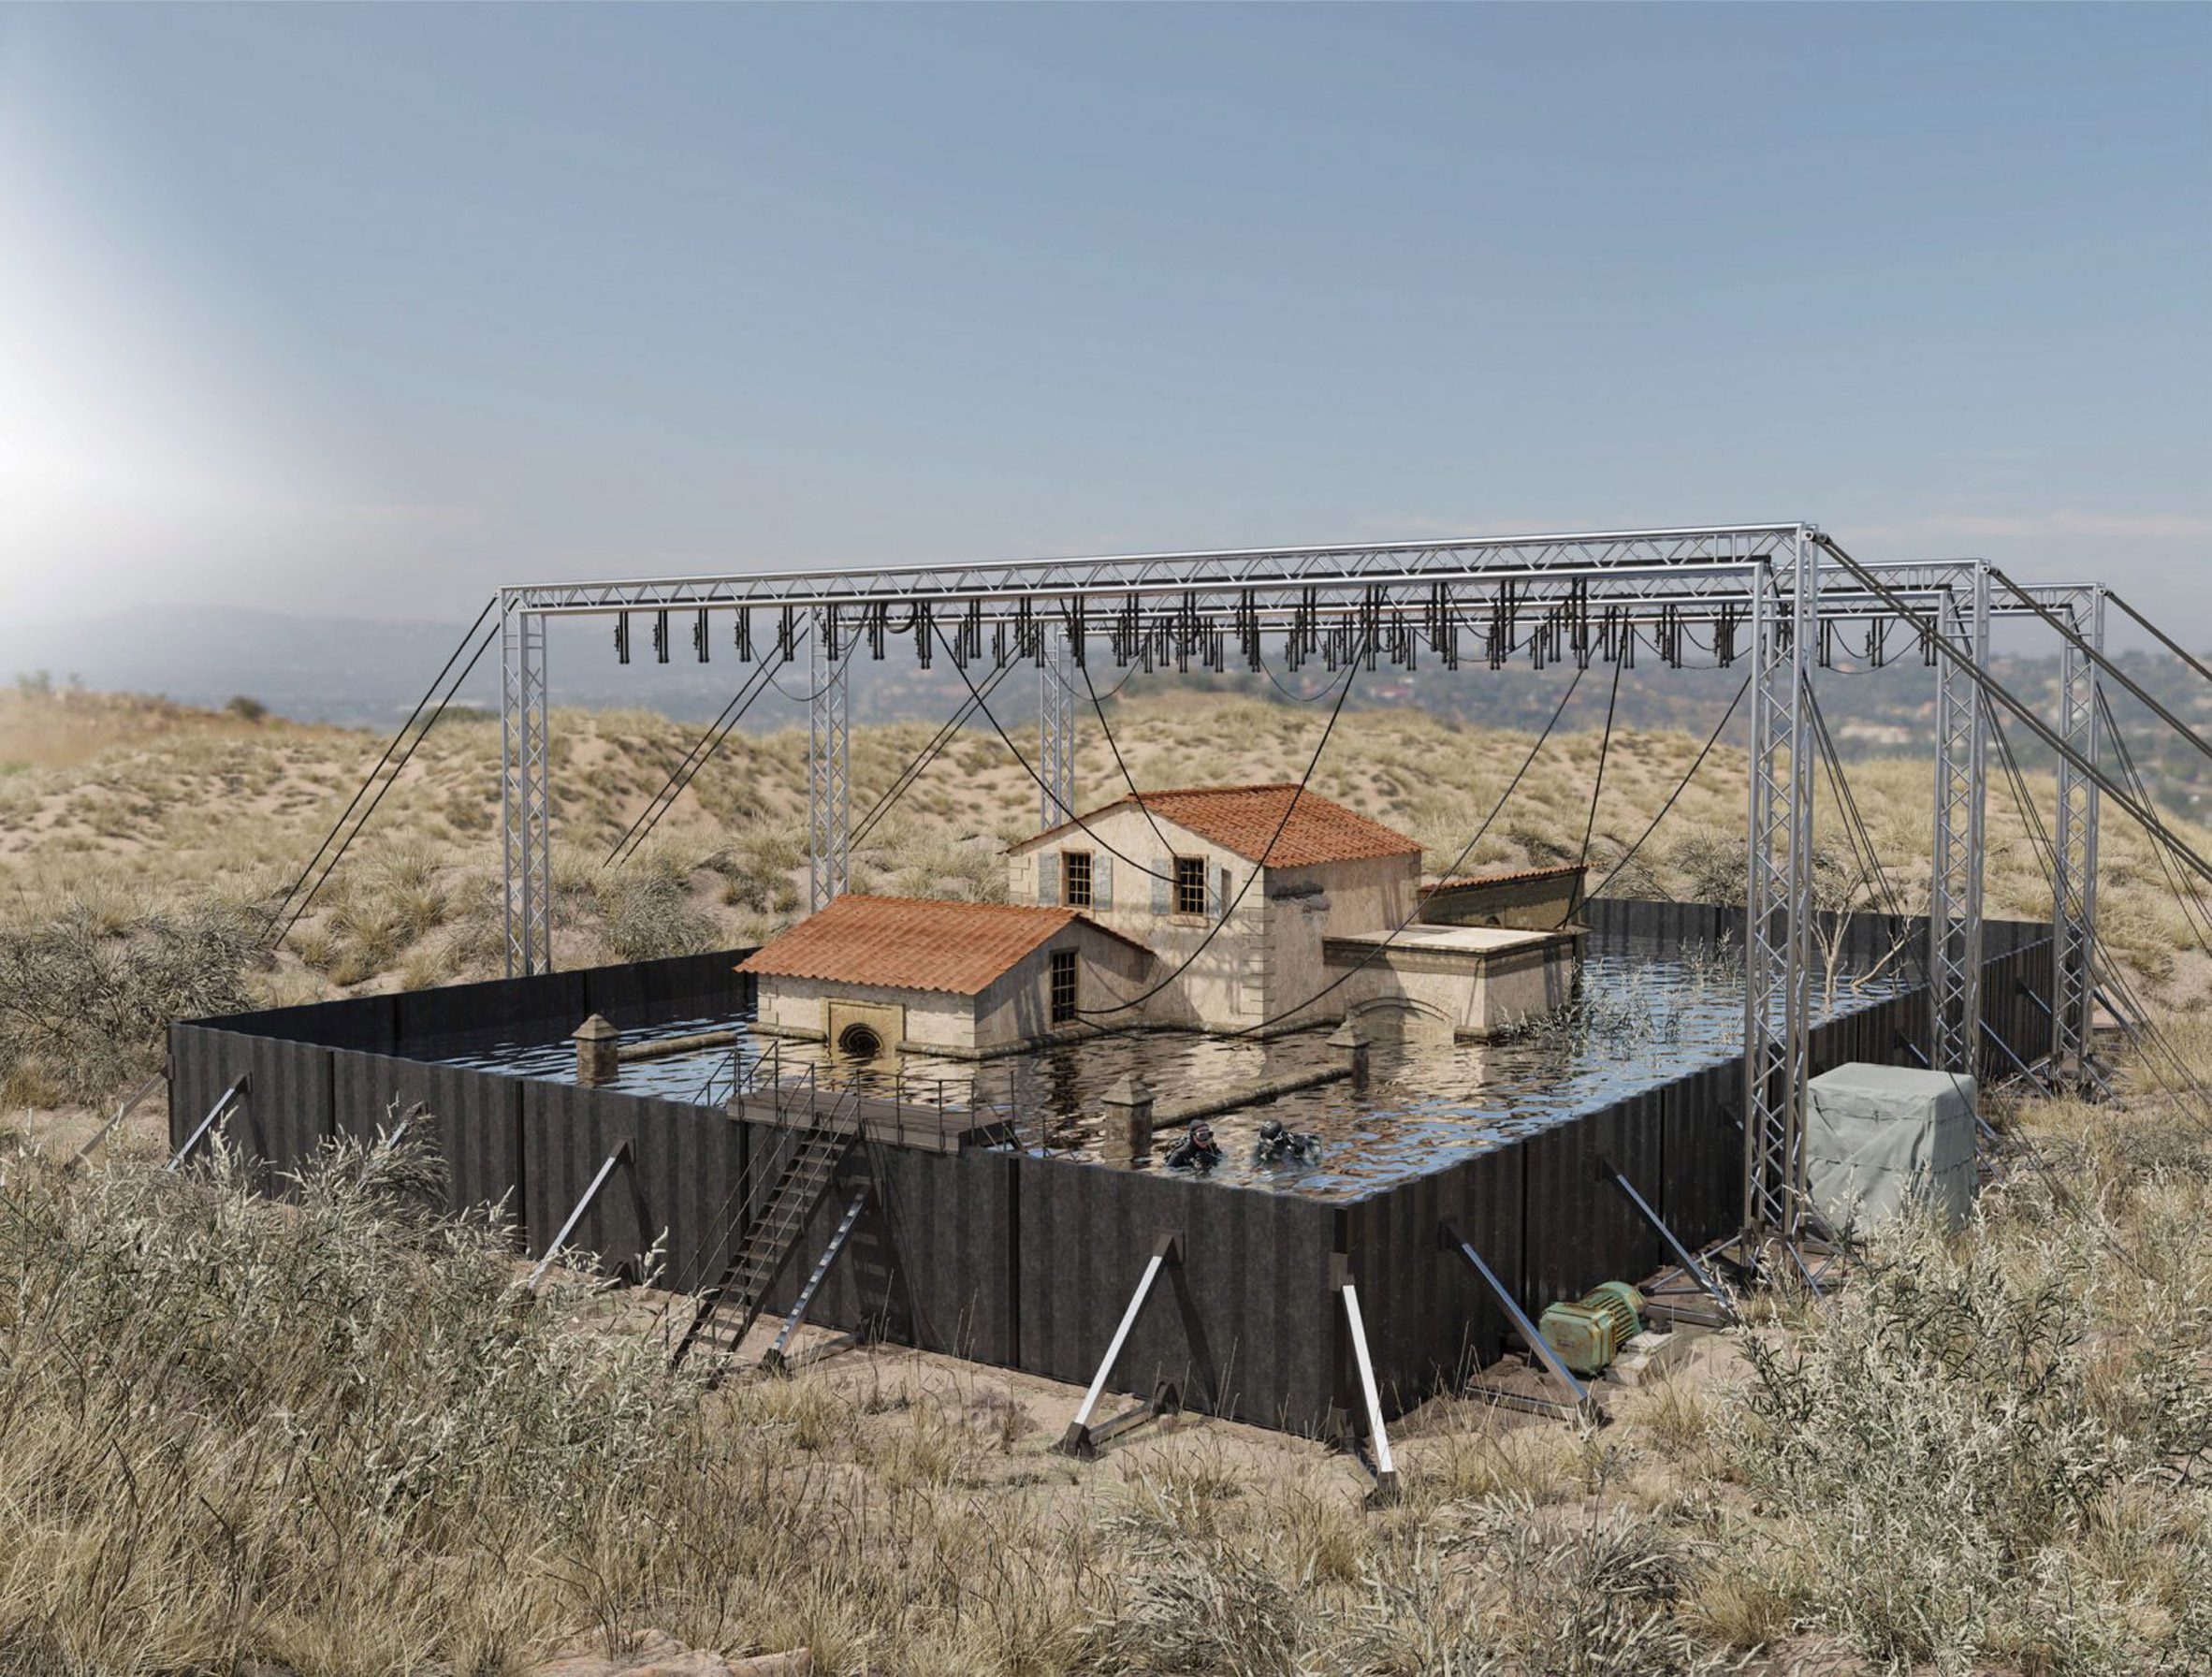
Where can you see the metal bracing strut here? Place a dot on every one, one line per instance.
(829, 765)
(526, 825)
(1056, 729)
(1954, 888)
(2073, 978)
(1778, 926)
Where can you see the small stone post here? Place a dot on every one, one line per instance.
(1352, 1043)
(597, 1060)
(1127, 1137)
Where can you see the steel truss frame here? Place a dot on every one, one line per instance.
(1568, 595)
(1955, 885)
(829, 763)
(2075, 909)
(1056, 729)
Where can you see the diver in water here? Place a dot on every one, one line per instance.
(1196, 1151)
(1278, 1146)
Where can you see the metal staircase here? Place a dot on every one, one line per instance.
(727, 1311)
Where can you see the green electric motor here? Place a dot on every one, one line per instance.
(1589, 1333)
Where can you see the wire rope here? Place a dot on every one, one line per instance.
(1251, 873)
(1684, 785)
(1604, 749)
(680, 777)
(2164, 639)
(1015, 751)
(390, 746)
(405, 757)
(1460, 861)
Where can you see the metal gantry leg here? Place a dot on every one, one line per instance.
(1955, 890)
(1056, 729)
(1778, 926)
(829, 803)
(525, 824)
(2073, 979)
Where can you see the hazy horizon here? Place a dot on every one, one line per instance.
(363, 312)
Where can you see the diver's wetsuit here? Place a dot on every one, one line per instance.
(1196, 1151)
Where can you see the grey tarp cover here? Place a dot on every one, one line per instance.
(1877, 1136)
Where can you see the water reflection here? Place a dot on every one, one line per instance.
(1637, 1021)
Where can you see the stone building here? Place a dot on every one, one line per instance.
(1246, 909)
(875, 976)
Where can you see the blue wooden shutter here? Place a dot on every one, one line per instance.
(1101, 880)
(1163, 888)
(1219, 906)
(1048, 877)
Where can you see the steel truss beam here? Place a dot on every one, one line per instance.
(1558, 594)
(1778, 921)
(829, 765)
(1056, 729)
(526, 824)
(2073, 916)
(1955, 888)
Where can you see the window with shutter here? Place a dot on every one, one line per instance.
(1191, 886)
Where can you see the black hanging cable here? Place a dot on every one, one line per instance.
(2164, 639)
(2045, 853)
(2104, 664)
(1106, 728)
(390, 746)
(1352, 667)
(2193, 908)
(680, 777)
(405, 757)
(1683, 786)
(1466, 850)
(919, 763)
(1941, 644)
(1015, 751)
(1604, 748)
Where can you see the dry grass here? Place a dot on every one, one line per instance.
(329, 1434)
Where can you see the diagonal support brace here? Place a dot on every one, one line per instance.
(1581, 1404)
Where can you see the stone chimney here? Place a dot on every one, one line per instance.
(1128, 1138)
(597, 1060)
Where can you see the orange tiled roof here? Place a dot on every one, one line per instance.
(913, 943)
(1525, 874)
(1246, 819)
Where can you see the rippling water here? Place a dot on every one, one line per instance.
(1638, 1021)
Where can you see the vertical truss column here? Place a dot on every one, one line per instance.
(2074, 914)
(526, 827)
(1778, 926)
(1056, 729)
(829, 803)
(1954, 891)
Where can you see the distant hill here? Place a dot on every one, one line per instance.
(363, 673)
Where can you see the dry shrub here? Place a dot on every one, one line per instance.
(86, 993)
(1950, 1434)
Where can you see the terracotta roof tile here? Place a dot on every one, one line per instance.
(913, 943)
(1250, 820)
(1523, 876)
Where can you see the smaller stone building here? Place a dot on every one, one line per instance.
(875, 976)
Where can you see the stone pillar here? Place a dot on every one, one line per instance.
(597, 1061)
(1352, 1043)
(1128, 1138)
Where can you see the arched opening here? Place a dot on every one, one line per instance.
(860, 1041)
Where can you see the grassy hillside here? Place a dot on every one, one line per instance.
(331, 1437)
(141, 814)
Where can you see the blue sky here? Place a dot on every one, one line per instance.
(367, 309)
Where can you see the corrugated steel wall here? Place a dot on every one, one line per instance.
(1029, 1263)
